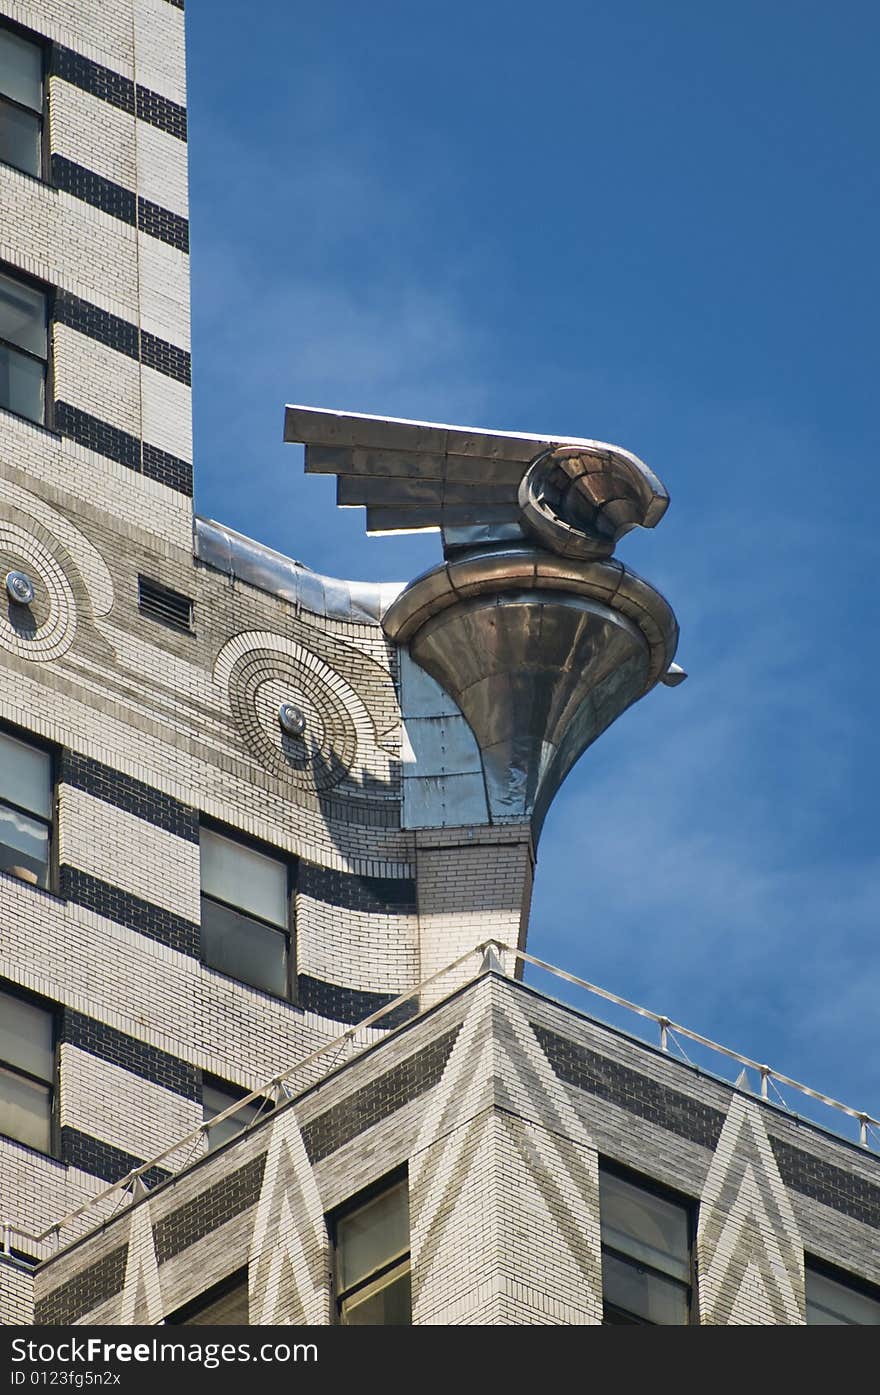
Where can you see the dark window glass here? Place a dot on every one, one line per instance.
(21, 102)
(218, 1097)
(23, 348)
(833, 1302)
(372, 1261)
(26, 791)
(245, 913)
(27, 1071)
(646, 1262)
(224, 1305)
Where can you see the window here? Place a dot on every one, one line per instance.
(646, 1254)
(26, 798)
(21, 102)
(371, 1242)
(24, 347)
(834, 1298)
(27, 1071)
(246, 910)
(217, 1096)
(224, 1305)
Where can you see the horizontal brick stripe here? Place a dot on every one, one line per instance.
(640, 1094)
(230, 1196)
(120, 202)
(94, 189)
(138, 1057)
(135, 797)
(160, 112)
(98, 435)
(102, 1160)
(161, 223)
(85, 1291)
(115, 904)
(119, 445)
(376, 1101)
(350, 1004)
(167, 469)
(93, 78)
(843, 1191)
(122, 336)
(166, 358)
(378, 895)
(119, 91)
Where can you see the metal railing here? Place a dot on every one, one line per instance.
(278, 1089)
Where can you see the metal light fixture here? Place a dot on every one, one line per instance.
(292, 719)
(20, 588)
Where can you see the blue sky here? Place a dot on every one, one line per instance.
(653, 224)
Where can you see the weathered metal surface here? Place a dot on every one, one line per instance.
(361, 602)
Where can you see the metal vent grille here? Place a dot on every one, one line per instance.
(163, 604)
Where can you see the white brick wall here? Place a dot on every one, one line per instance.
(372, 952)
(162, 167)
(16, 1296)
(92, 133)
(159, 53)
(164, 289)
(167, 413)
(30, 456)
(61, 240)
(117, 847)
(98, 380)
(99, 31)
(104, 1101)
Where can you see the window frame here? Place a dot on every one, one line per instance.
(844, 1277)
(28, 738)
(179, 1317)
(264, 1106)
(689, 1205)
(15, 273)
(290, 863)
(53, 1012)
(338, 1295)
(44, 44)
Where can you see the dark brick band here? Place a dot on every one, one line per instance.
(115, 904)
(168, 469)
(122, 336)
(230, 1196)
(166, 358)
(119, 445)
(94, 189)
(85, 1291)
(637, 1093)
(93, 78)
(161, 223)
(844, 1191)
(119, 202)
(350, 1004)
(119, 91)
(132, 1055)
(98, 435)
(378, 895)
(103, 782)
(101, 1159)
(98, 324)
(383, 1096)
(160, 112)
